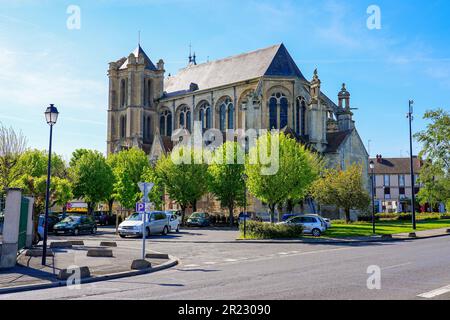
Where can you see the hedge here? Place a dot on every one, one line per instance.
(263, 230)
(402, 216)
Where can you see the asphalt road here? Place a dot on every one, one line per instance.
(220, 270)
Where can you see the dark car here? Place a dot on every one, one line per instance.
(101, 218)
(198, 219)
(76, 225)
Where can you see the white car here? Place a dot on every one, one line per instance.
(326, 220)
(174, 220)
(156, 223)
(311, 224)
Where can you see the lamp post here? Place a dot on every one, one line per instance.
(372, 166)
(413, 196)
(51, 116)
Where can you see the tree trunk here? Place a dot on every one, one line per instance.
(110, 206)
(183, 214)
(194, 206)
(272, 213)
(290, 206)
(280, 211)
(347, 215)
(90, 208)
(231, 215)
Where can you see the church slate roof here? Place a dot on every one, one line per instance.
(139, 51)
(271, 61)
(335, 139)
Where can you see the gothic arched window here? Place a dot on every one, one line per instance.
(278, 111)
(184, 121)
(181, 121)
(283, 112)
(148, 94)
(223, 115)
(123, 126)
(188, 120)
(147, 128)
(204, 115)
(123, 92)
(230, 116)
(165, 123)
(273, 116)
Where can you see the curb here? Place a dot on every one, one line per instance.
(173, 261)
(342, 241)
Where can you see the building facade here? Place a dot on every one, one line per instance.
(263, 89)
(393, 187)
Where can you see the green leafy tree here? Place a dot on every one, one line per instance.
(297, 170)
(76, 155)
(435, 173)
(31, 169)
(128, 167)
(343, 189)
(34, 163)
(226, 177)
(156, 195)
(184, 181)
(92, 179)
(12, 145)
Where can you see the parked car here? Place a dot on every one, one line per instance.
(101, 218)
(156, 223)
(289, 216)
(52, 221)
(75, 225)
(249, 216)
(311, 224)
(174, 220)
(325, 220)
(198, 219)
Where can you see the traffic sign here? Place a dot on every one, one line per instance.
(145, 188)
(143, 207)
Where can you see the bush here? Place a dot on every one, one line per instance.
(262, 230)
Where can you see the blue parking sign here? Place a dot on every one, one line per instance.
(140, 207)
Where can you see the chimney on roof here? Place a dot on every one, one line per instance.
(379, 158)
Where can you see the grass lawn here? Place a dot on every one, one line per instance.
(382, 227)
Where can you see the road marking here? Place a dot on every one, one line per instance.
(230, 260)
(192, 265)
(435, 293)
(210, 263)
(283, 253)
(396, 266)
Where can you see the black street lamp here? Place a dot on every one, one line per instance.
(372, 166)
(413, 184)
(51, 116)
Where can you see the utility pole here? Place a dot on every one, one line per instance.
(413, 184)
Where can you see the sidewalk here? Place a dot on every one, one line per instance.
(29, 274)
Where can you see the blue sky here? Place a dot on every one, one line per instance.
(42, 62)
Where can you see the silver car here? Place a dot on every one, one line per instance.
(156, 223)
(325, 220)
(311, 224)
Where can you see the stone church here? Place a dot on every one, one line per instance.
(263, 89)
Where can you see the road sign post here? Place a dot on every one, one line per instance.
(144, 208)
